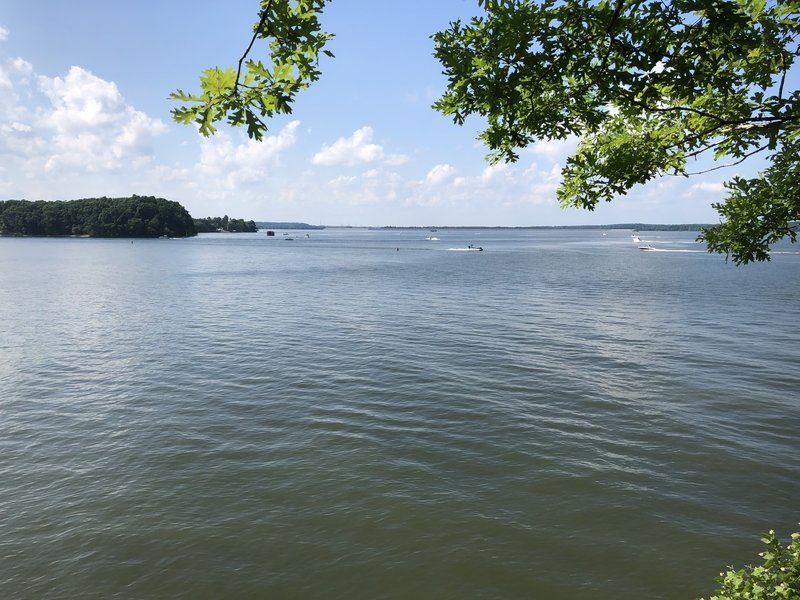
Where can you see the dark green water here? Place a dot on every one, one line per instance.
(368, 414)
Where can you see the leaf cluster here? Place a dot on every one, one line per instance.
(257, 90)
(648, 86)
(777, 578)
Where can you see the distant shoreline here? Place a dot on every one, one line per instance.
(633, 226)
(286, 225)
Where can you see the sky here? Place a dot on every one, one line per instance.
(84, 112)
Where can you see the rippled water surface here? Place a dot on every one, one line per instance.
(370, 414)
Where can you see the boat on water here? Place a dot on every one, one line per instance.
(646, 248)
(469, 248)
(636, 238)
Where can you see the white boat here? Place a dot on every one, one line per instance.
(636, 238)
(469, 248)
(646, 248)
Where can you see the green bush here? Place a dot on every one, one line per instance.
(778, 578)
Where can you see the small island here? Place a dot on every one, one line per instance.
(135, 217)
(224, 224)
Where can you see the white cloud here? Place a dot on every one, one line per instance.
(555, 150)
(494, 172)
(342, 181)
(355, 150)
(495, 187)
(3, 33)
(15, 67)
(541, 185)
(234, 174)
(20, 66)
(92, 126)
(222, 159)
(715, 187)
(375, 187)
(440, 174)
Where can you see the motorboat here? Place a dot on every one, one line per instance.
(469, 248)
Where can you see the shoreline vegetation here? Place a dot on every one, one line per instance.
(134, 217)
(633, 226)
(224, 225)
(151, 217)
(287, 225)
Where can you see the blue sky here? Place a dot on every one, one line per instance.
(84, 112)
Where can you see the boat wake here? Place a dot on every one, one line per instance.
(651, 249)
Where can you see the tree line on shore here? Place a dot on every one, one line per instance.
(212, 224)
(135, 217)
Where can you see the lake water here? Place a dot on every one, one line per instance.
(370, 414)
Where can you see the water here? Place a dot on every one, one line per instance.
(368, 414)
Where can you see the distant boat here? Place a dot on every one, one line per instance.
(646, 248)
(469, 248)
(433, 238)
(270, 233)
(289, 239)
(636, 238)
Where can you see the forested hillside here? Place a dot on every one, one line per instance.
(137, 216)
(212, 224)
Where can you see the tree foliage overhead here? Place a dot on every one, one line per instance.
(647, 85)
(256, 90)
